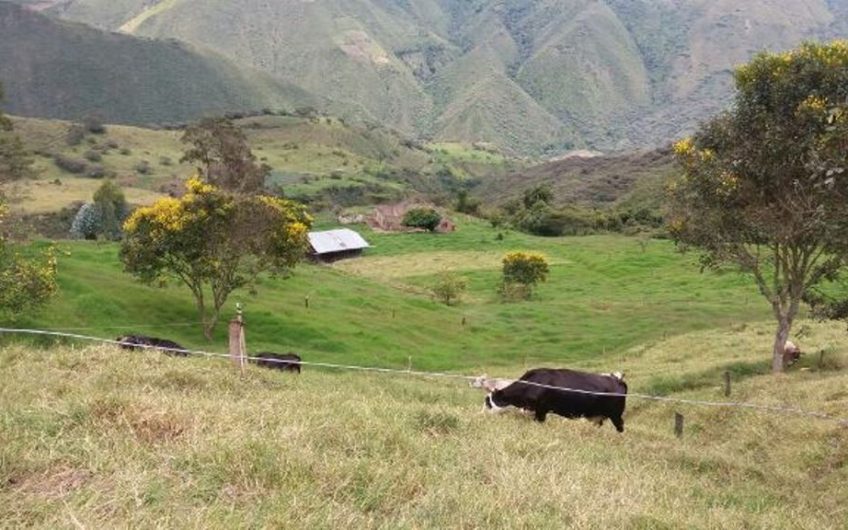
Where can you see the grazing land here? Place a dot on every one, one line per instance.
(104, 437)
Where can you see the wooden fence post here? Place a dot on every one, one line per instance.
(678, 424)
(238, 346)
(727, 383)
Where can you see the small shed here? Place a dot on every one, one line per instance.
(332, 245)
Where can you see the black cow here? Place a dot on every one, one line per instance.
(287, 362)
(138, 342)
(566, 403)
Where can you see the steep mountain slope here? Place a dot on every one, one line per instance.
(528, 75)
(68, 70)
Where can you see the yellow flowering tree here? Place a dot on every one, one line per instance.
(764, 186)
(214, 242)
(521, 272)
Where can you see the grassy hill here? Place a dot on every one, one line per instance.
(93, 436)
(68, 70)
(632, 181)
(314, 158)
(528, 76)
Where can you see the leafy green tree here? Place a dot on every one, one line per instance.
(214, 242)
(113, 207)
(765, 185)
(449, 287)
(426, 218)
(15, 162)
(541, 193)
(223, 157)
(467, 204)
(525, 270)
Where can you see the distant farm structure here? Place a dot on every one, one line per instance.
(333, 245)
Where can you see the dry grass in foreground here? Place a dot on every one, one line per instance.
(97, 437)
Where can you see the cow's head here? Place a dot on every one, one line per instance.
(492, 405)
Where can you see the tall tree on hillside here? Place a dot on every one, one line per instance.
(223, 157)
(15, 162)
(765, 184)
(213, 242)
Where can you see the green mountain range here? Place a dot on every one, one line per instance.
(531, 76)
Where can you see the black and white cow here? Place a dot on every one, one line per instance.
(136, 342)
(581, 401)
(287, 362)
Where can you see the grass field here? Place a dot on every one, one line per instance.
(604, 294)
(102, 438)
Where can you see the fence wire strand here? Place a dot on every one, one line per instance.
(418, 373)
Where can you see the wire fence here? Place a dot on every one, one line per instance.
(444, 375)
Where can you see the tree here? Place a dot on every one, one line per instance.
(449, 287)
(223, 158)
(764, 187)
(426, 218)
(541, 193)
(15, 162)
(24, 283)
(467, 204)
(104, 216)
(213, 242)
(525, 270)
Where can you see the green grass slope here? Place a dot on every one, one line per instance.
(66, 70)
(604, 294)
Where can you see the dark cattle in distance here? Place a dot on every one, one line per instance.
(139, 342)
(287, 362)
(565, 403)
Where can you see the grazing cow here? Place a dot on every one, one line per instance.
(136, 342)
(791, 353)
(567, 403)
(287, 362)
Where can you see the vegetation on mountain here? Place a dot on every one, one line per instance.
(15, 162)
(213, 243)
(766, 184)
(529, 77)
(425, 218)
(219, 149)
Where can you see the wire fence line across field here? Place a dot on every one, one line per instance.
(419, 373)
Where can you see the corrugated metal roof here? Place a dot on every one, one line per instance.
(336, 241)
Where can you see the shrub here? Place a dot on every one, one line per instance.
(69, 163)
(92, 156)
(143, 167)
(449, 288)
(94, 125)
(426, 218)
(75, 134)
(165, 161)
(126, 151)
(86, 223)
(522, 271)
(96, 172)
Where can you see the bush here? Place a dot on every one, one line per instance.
(96, 172)
(126, 151)
(143, 167)
(426, 218)
(165, 161)
(70, 164)
(522, 271)
(94, 125)
(449, 288)
(92, 156)
(86, 223)
(75, 134)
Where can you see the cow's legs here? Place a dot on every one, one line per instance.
(540, 415)
(619, 423)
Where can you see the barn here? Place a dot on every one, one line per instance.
(333, 245)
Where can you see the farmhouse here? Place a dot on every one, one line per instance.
(333, 245)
